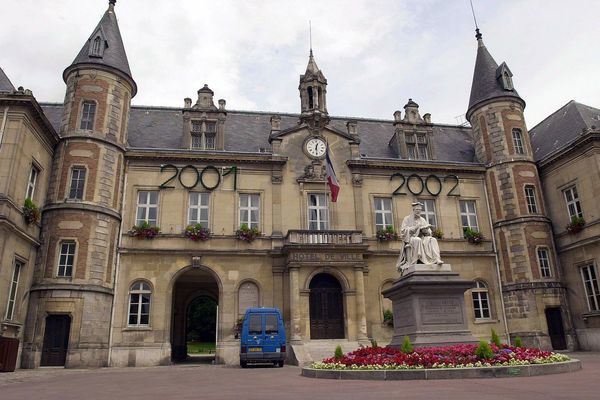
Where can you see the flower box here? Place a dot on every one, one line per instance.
(576, 225)
(437, 233)
(473, 236)
(247, 234)
(386, 235)
(31, 213)
(144, 231)
(197, 232)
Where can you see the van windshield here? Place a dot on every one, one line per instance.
(271, 324)
(254, 325)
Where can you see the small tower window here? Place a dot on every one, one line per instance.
(530, 198)
(507, 81)
(88, 113)
(518, 141)
(309, 91)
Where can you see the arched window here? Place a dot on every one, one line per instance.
(247, 297)
(97, 47)
(518, 141)
(309, 92)
(139, 304)
(481, 300)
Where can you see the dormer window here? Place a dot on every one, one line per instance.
(416, 146)
(204, 135)
(505, 77)
(97, 44)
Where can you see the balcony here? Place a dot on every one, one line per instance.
(328, 237)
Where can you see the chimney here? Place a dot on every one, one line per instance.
(427, 118)
(187, 102)
(222, 103)
(397, 116)
(275, 123)
(352, 127)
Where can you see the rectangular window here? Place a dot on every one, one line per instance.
(412, 153)
(77, 183)
(573, 204)
(198, 212)
(147, 207)
(197, 126)
(383, 213)
(12, 292)
(33, 174)
(211, 127)
(423, 154)
(249, 210)
(318, 212)
(530, 198)
(468, 214)
(197, 142)
(88, 113)
(518, 141)
(66, 259)
(210, 141)
(544, 262)
(429, 211)
(590, 283)
(203, 135)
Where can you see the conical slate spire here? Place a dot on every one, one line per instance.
(5, 83)
(104, 47)
(487, 79)
(312, 70)
(312, 65)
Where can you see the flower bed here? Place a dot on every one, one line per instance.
(456, 356)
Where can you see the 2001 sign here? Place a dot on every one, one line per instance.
(198, 176)
(433, 184)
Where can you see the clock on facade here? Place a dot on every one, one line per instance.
(315, 147)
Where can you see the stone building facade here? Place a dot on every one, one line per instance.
(110, 273)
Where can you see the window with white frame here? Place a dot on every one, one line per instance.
(66, 259)
(139, 304)
(77, 183)
(544, 262)
(481, 301)
(429, 211)
(573, 204)
(147, 207)
(204, 135)
(318, 212)
(88, 113)
(12, 291)
(518, 141)
(530, 199)
(590, 284)
(199, 208)
(249, 210)
(31, 183)
(468, 214)
(383, 213)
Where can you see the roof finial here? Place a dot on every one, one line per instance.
(112, 2)
(478, 34)
(310, 35)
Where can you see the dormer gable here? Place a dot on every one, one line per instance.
(504, 75)
(97, 43)
(203, 122)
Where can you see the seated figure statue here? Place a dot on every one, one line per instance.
(419, 245)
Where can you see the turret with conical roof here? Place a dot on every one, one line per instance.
(82, 216)
(313, 94)
(520, 226)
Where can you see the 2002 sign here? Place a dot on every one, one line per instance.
(433, 184)
(198, 176)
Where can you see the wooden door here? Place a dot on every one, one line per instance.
(555, 328)
(326, 308)
(56, 340)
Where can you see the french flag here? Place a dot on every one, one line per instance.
(332, 181)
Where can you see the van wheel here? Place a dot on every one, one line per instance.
(280, 364)
(243, 364)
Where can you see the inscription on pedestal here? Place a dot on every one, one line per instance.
(441, 311)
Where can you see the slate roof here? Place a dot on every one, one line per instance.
(247, 131)
(114, 54)
(5, 83)
(562, 128)
(486, 83)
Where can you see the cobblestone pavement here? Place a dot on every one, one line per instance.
(226, 382)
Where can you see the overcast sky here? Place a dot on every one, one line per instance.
(374, 53)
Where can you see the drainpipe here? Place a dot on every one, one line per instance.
(117, 265)
(487, 201)
(3, 126)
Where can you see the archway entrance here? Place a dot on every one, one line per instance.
(326, 308)
(194, 316)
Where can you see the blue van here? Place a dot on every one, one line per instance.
(263, 337)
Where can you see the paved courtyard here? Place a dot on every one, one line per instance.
(224, 382)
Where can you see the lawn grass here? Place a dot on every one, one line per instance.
(201, 347)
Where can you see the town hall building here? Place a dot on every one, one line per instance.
(115, 219)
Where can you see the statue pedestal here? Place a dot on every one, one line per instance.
(429, 306)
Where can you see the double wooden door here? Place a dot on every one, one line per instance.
(326, 308)
(56, 340)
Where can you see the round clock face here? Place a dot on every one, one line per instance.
(315, 147)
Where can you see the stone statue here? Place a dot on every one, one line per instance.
(420, 247)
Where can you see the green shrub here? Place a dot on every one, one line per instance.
(339, 353)
(484, 351)
(388, 317)
(374, 343)
(407, 346)
(31, 212)
(495, 338)
(518, 342)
